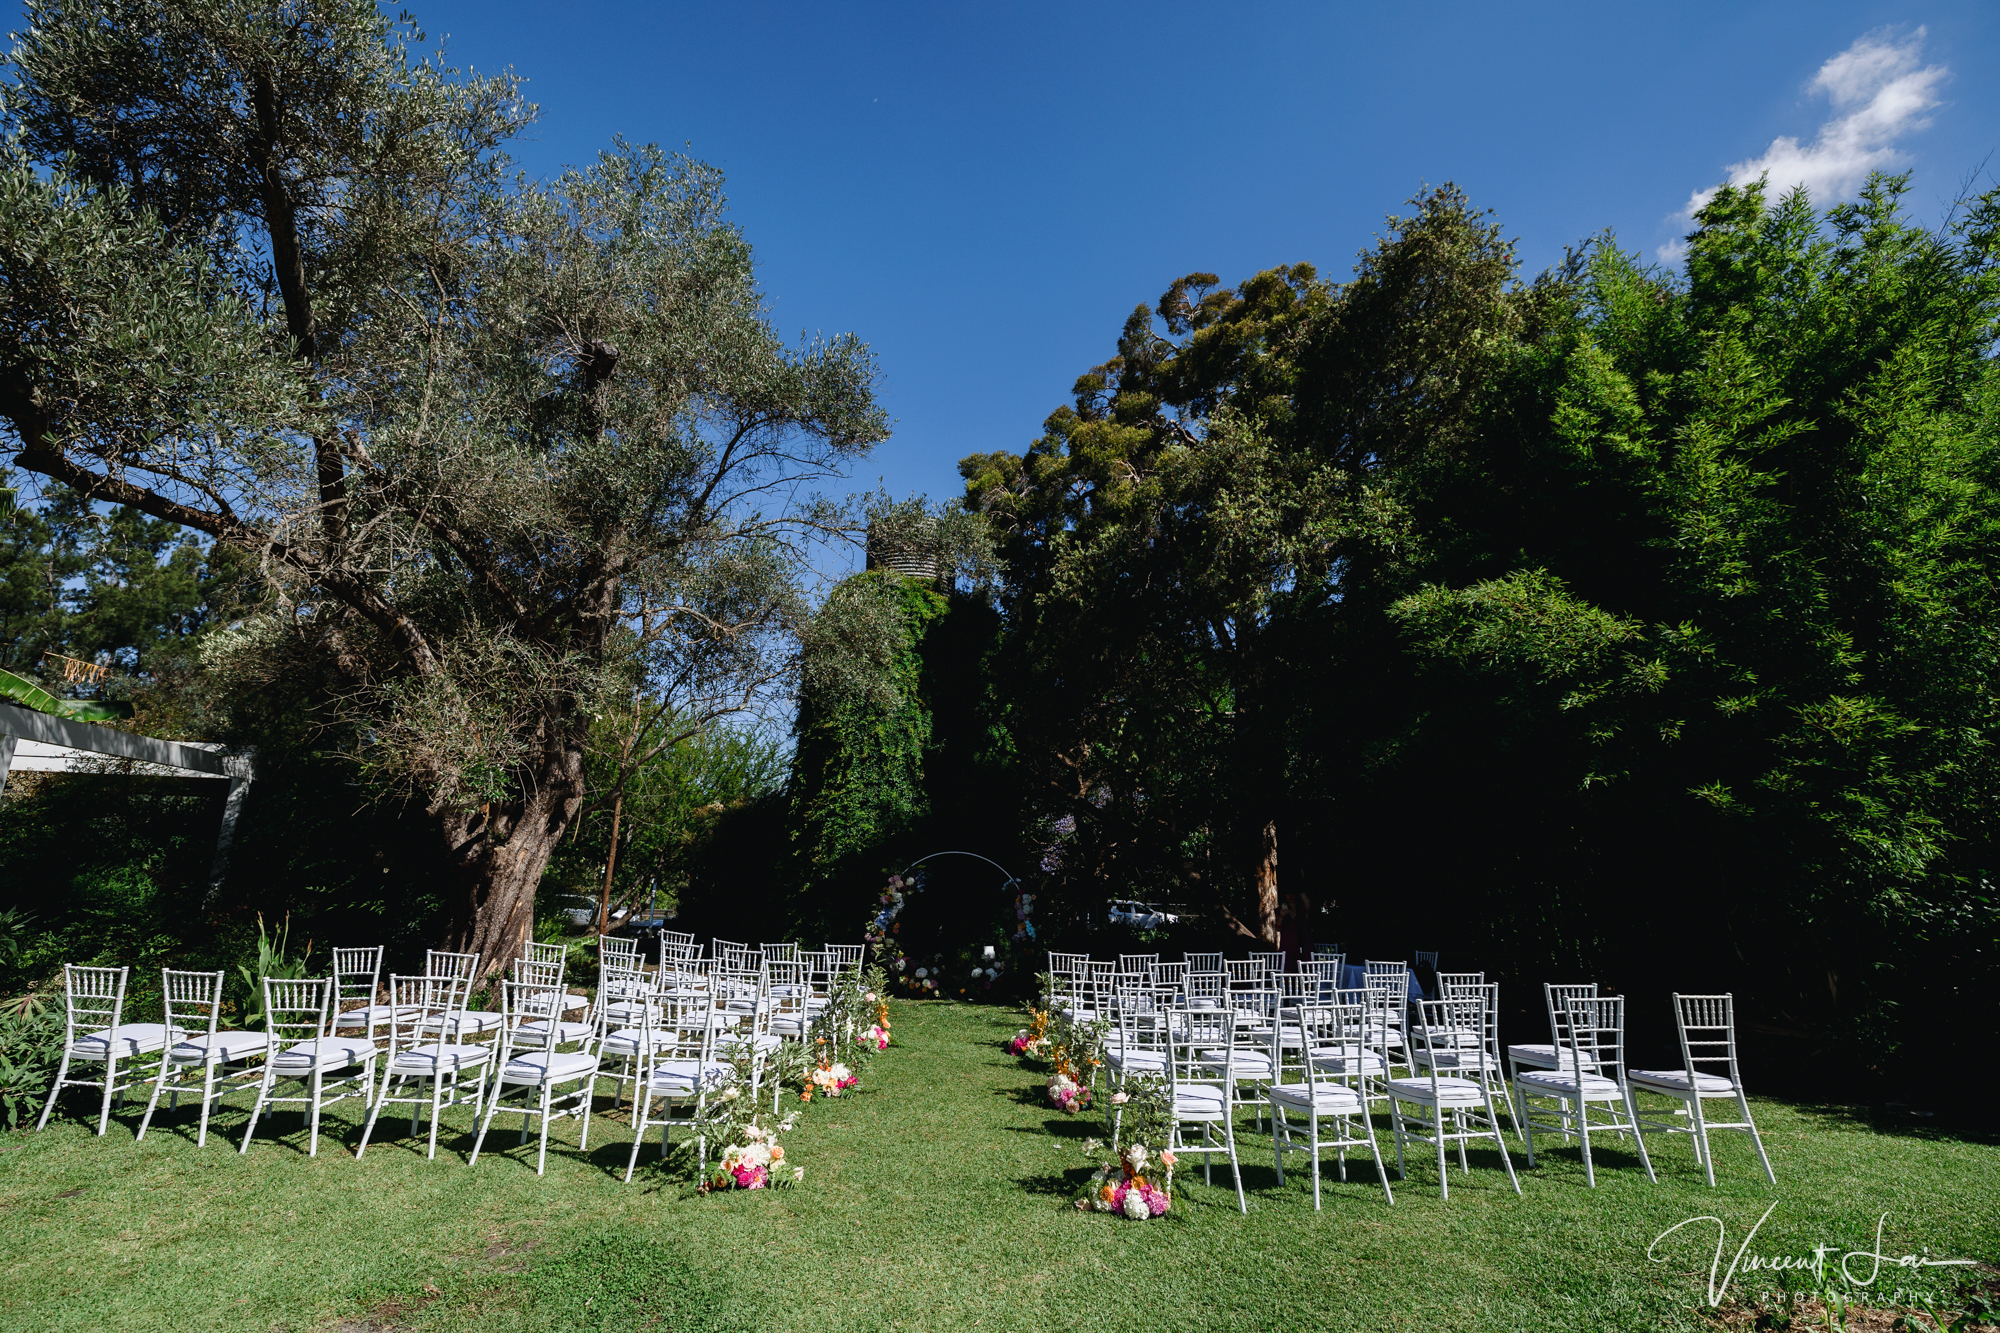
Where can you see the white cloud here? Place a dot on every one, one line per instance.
(1880, 94)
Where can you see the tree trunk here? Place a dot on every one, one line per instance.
(1267, 885)
(500, 853)
(610, 864)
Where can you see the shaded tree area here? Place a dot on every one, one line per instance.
(1619, 625)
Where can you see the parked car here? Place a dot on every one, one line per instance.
(1138, 915)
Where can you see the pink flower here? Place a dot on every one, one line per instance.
(749, 1177)
(1156, 1201)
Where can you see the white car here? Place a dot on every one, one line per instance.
(1139, 916)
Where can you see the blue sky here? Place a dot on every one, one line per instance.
(984, 192)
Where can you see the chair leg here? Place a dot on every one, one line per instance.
(1701, 1138)
(1374, 1151)
(1583, 1129)
(1743, 1105)
(257, 1106)
(368, 1126)
(110, 1079)
(486, 1120)
(641, 1108)
(1396, 1121)
(318, 1088)
(1501, 1143)
(542, 1156)
(1235, 1167)
(208, 1072)
(1315, 1153)
(1527, 1127)
(1437, 1134)
(62, 1074)
(437, 1091)
(1638, 1138)
(589, 1096)
(146, 1121)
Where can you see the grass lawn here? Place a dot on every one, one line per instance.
(937, 1197)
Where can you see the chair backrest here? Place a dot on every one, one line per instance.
(1557, 997)
(93, 997)
(1137, 964)
(418, 1004)
(1333, 1045)
(1447, 980)
(680, 937)
(1168, 978)
(780, 953)
(1273, 963)
(1597, 1036)
(1707, 1025)
(846, 955)
(1061, 964)
(547, 953)
(1435, 1040)
(297, 1009)
(616, 946)
(538, 973)
(719, 948)
(191, 1001)
(1425, 959)
(439, 963)
(743, 960)
(356, 974)
(1325, 973)
(1196, 1034)
(1206, 990)
(1376, 967)
(1295, 989)
(523, 1000)
(1244, 971)
(1203, 962)
(1328, 953)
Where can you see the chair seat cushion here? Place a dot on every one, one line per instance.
(676, 1078)
(221, 1048)
(377, 1015)
(1450, 1038)
(123, 1042)
(1139, 1059)
(1542, 1057)
(1676, 1081)
(629, 1011)
(464, 1023)
(1199, 1103)
(1341, 1063)
(323, 1053)
(1464, 1061)
(789, 1027)
(565, 1032)
(1325, 1099)
(439, 1055)
(548, 1067)
(1449, 1091)
(1246, 1064)
(763, 1043)
(1562, 1083)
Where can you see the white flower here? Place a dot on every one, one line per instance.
(1136, 1155)
(870, 997)
(1106, 1206)
(978, 971)
(1090, 1147)
(798, 1174)
(729, 1096)
(923, 972)
(1135, 1206)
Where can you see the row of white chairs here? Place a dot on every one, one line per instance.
(327, 1036)
(1301, 1050)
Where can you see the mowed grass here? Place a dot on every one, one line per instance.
(936, 1198)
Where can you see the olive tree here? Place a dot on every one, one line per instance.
(507, 452)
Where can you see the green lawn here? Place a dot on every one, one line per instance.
(938, 1197)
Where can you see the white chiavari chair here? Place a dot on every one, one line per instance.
(94, 1033)
(531, 1066)
(1593, 1074)
(226, 1060)
(1708, 1072)
(1329, 1087)
(298, 1015)
(357, 976)
(1199, 1094)
(1436, 1108)
(422, 1070)
(677, 1067)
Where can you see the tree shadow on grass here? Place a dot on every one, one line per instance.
(1930, 1123)
(1054, 1184)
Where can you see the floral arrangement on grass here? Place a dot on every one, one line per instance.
(1123, 1186)
(829, 1080)
(756, 1163)
(1033, 1039)
(1068, 1094)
